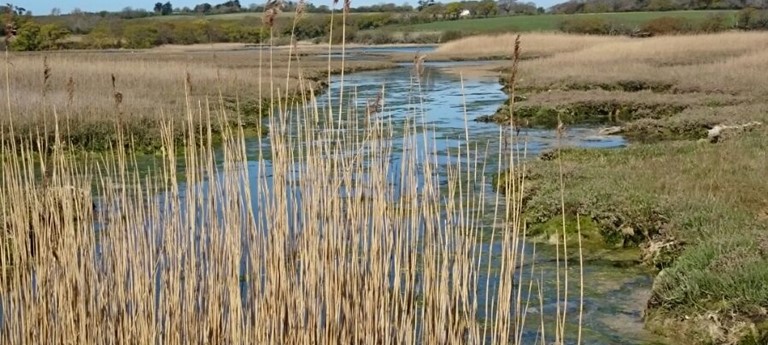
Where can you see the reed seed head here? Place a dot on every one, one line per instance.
(70, 90)
(46, 75)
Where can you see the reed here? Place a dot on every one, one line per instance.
(330, 240)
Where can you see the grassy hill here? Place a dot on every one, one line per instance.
(551, 22)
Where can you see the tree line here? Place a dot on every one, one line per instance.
(600, 6)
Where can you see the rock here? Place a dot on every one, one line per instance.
(485, 118)
(715, 134)
(614, 130)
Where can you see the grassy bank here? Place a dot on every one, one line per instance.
(694, 203)
(92, 93)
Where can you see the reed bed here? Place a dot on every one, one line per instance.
(714, 63)
(726, 63)
(329, 241)
(81, 87)
(537, 44)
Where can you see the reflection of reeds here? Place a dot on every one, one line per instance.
(418, 64)
(374, 106)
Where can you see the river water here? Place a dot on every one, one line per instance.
(614, 295)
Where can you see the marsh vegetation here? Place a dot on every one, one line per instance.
(691, 199)
(341, 226)
(282, 207)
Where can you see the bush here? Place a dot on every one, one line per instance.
(591, 26)
(376, 37)
(752, 19)
(308, 28)
(141, 36)
(667, 25)
(337, 35)
(373, 21)
(451, 35)
(715, 23)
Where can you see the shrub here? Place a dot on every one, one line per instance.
(308, 28)
(668, 25)
(451, 35)
(375, 37)
(141, 36)
(28, 37)
(715, 23)
(337, 37)
(591, 26)
(752, 19)
(373, 21)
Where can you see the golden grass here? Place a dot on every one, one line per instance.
(153, 83)
(536, 44)
(728, 62)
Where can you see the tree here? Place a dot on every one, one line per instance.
(435, 10)
(51, 36)
(167, 9)
(424, 4)
(28, 37)
(13, 10)
(453, 10)
(55, 11)
(486, 8)
(158, 7)
(203, 8)
(506, 5)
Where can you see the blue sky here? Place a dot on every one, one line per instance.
(40, 7)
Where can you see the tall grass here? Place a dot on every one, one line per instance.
(335, 239)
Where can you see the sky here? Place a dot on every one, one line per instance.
(42, 7)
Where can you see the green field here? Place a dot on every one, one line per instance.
(550, 22)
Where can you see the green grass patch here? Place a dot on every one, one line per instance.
(551, 22)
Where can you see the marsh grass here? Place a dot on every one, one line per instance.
(79, 86)
(697, 212)
(328, 241)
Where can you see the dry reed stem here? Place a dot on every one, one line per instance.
(327, 242)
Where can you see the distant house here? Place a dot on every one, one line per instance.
(465, 13)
